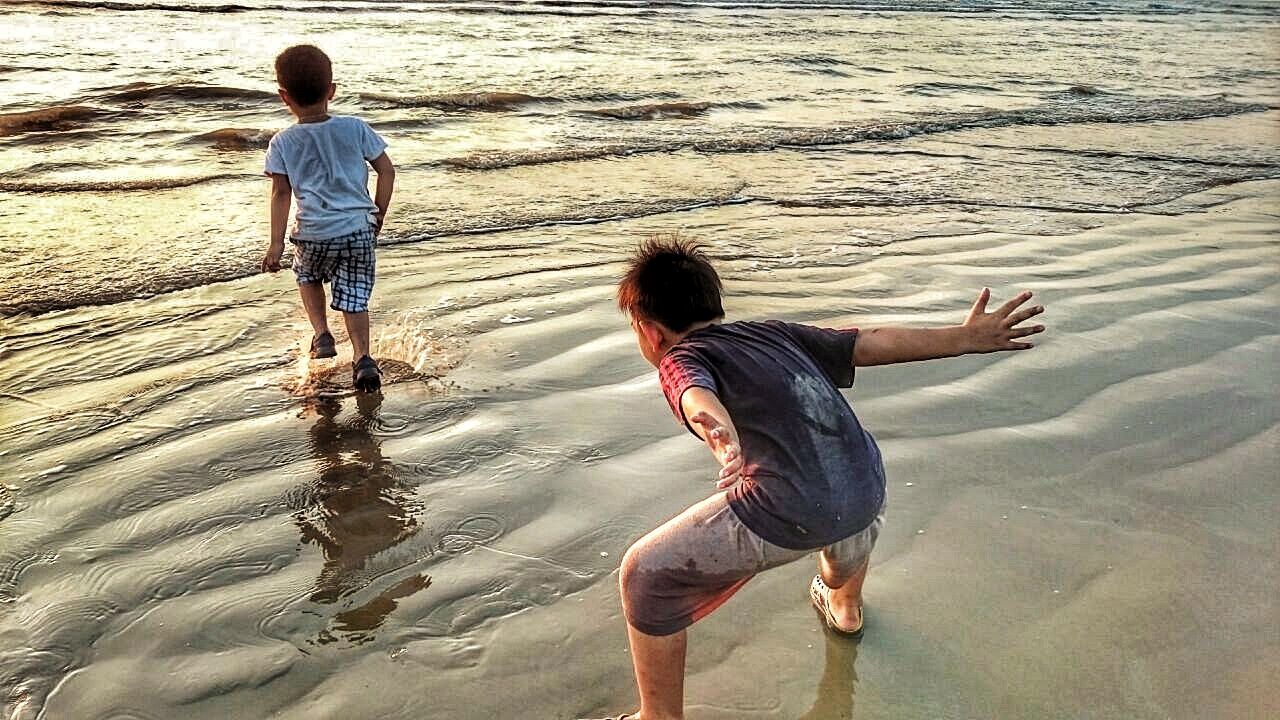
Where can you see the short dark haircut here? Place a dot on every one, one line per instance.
(305, 72)
(669, 279)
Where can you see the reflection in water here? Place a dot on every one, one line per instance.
(839, 680)
(357, 510)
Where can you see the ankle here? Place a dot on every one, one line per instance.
(843, 605)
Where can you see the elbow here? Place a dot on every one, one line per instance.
(864, 349)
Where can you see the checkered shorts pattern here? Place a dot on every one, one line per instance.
(347, 262)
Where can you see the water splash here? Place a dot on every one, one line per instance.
(407, 349)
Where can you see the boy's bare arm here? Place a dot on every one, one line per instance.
(281, 196)
(982, 332)
(711, 421)
(386, 185)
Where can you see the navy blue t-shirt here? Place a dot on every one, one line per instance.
(812, 476)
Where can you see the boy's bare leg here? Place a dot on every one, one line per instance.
(358, 329)
(846, 591)
(659, 664)
(313, 303)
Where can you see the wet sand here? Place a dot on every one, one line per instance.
(1084, 530)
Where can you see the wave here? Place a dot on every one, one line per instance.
(219, 9)
(144, 6)
(653, 111)
(815, 63)
(38, 300)
(667, 110)
(504, 100)
(72, 186)
(934, 89)
(57, 118)
(236, 138)
(812, 59)
(587, 215)
(74, 115)
(1054, 113)
(581, 8)
(481, 100)
(143, 91)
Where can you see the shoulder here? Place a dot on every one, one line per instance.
(684, 354)
(283, 137)
(758, 329)
(347, 122)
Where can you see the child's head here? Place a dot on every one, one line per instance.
(670, 286)
(305, 76)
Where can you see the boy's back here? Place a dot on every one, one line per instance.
(813, 476)
(327, 164)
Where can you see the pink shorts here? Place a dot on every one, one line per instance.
(693, 563)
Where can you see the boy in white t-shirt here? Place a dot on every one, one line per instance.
(323, 162)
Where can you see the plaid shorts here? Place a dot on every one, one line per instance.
(347, 262)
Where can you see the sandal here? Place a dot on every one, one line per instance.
(365, 375)
(322, 346)
(819, 595)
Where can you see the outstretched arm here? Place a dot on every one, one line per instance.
(711, 421)
(982, 332)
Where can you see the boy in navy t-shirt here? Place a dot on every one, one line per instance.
(798, 472)
(323, 162)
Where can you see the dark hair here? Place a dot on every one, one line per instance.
(305, 72)
(669, 279)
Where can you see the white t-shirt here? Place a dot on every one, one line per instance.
(327, 165)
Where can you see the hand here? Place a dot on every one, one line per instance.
(271, 260)
(378, 218)
(994, 331)
(723, 445)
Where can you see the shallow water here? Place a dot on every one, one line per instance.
(128, 163)
(195, 521)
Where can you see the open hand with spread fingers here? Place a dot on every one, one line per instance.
(1001, 329)
(724, 445)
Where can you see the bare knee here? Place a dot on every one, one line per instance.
(631, 577)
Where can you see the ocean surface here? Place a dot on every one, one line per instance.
(196, 522)
(134, 132)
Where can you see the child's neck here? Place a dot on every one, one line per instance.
(312, 113)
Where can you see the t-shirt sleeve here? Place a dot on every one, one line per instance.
(275, 164)
(680, 370)
(371, 143)
(832, 349)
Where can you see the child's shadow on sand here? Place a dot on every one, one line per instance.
(839, 681)
(356, 510)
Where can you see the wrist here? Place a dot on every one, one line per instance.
(965, 340)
